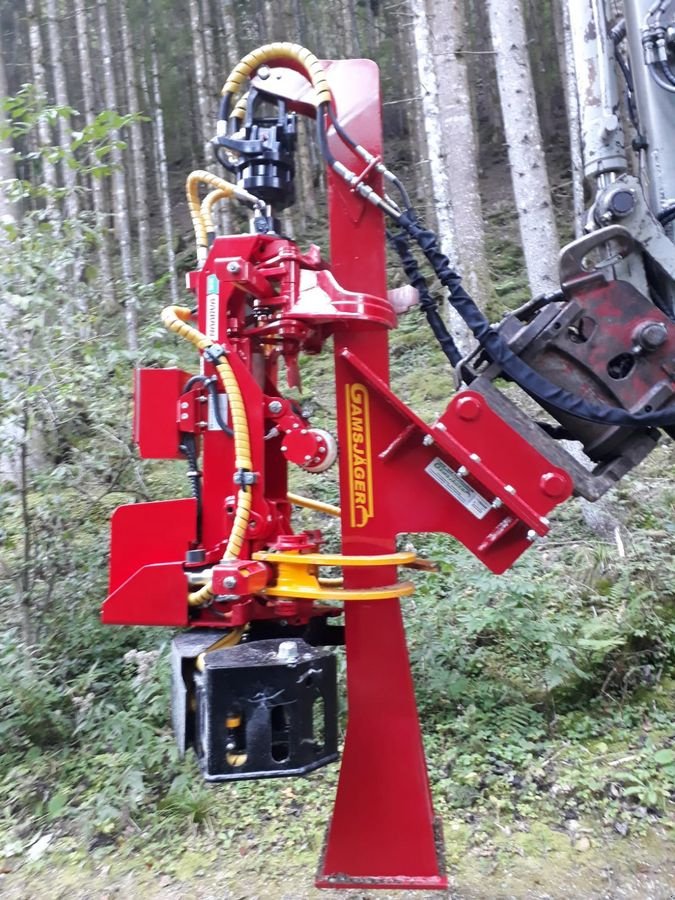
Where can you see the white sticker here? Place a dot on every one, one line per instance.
(212, 307)
(222, 408)
(460, 490)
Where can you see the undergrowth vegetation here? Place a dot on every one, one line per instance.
(546, 693)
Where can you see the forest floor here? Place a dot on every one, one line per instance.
(537, 864)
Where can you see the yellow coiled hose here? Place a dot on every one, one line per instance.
(276, 51)
(175, 319)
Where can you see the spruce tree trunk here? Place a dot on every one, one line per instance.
(101, 210)
(433, 125)
(119, 186)
(137, 152)
(71, 203)
(39, 79)
(538, 232)
(8, 210)
(161, 165)
(459, 149)
(566, 63)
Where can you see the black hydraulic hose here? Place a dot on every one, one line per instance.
(498, 350)
(427, 303)
(352, 143)
(667, 72)
(215, 406)
(209, 382)
(188, 447)
(667, 215)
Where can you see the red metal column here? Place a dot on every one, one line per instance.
(383, 832)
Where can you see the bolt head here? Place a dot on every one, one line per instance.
(468, 408)
(553, 484)
(288, 651)
(233, 267)
(509, 488)
(229, 582)
(652, 335)
(275, 406)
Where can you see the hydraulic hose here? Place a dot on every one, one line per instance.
(278, 50)
(498, 350)
(201, 176)
(206, 212)
(175, 318)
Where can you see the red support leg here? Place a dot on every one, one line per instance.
(383, 833)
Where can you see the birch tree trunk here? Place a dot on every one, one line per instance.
(101, 212)
(119, 188)
(161, 165)
(71, 203)
(40, 81)
(137, 151)
(459, 150)
(538, 232)
(440, 185)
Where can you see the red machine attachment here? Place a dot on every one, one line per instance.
(252, 692)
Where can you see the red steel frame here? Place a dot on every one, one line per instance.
(383, 832)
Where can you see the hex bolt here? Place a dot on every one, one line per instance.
(184, 416)
(652, 335)
(509, 488)
(275, 407)
(308, 457)
(288, 651)
(468, 408)
(184, 405)
(474, 457)
(229, 582)
(427, 440)
(233, 267)
(462, 471)
(284, 448)
(497, 503)
(264, 72)
(531, 535)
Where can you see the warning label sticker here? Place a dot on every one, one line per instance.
(451, 482)
(222, 409)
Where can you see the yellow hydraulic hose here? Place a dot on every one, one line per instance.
(206, 210)
(280, 50)
(201, 176)
(175, 318)
(231, 639)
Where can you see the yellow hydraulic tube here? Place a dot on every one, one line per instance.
(317, 505)
(228, 640)
(175, 318)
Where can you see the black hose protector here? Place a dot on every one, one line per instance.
(544, 391)
(427, 302)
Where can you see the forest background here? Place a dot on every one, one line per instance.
(546, 695)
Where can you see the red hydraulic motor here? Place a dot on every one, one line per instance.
(254, 683)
